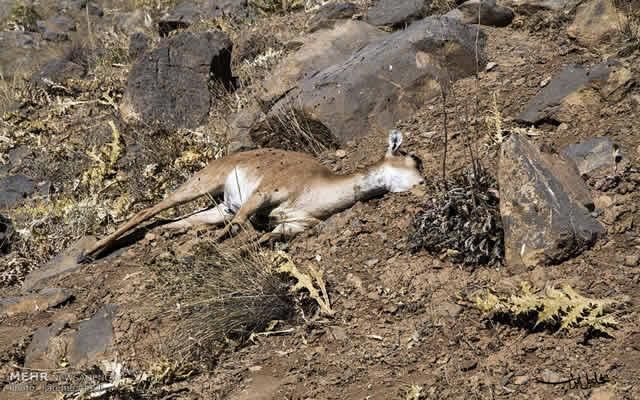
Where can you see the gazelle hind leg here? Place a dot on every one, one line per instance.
(287, 230)
(213, 216)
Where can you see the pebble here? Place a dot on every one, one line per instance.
(490, 66)
(631, 260)
(341, 153)
(545, 81)
(468, 365)
(521, 380)
(548, 376)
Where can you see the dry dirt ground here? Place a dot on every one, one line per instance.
(404, 319)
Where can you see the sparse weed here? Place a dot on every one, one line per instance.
(559, 309)
(629, 22)
(413, 392)
(271, 6)
(23, 17)
(494, 122)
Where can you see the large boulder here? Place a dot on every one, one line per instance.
(168, 86)
(577, 90)
(491, 14)
(191, 12)
(595, 22)
(386, 80)
(328, 14)
(542, 203)
(394, 12)
(319, 50)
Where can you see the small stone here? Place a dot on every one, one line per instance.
(371, 262)
(521, 380)
(468, 365)
(603, 202)
(631, 260)
(451, 309)
(150, 236)
(548, 376)
(339, 333)
(255, 368)
(545, 81)
(341, 153)
(563, 127)
(490, 66)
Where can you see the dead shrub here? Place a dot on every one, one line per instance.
(462, 221)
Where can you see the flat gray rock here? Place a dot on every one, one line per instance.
(62, 264)
(594, 154)
(41, 301)
(14, 189)
(570, 80)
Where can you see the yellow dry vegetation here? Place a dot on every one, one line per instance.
(551, 306)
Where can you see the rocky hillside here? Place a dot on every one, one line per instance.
(513, 273)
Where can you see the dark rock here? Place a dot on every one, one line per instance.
(544, 223)
(329, 13)
(93, 8)
(18, 49)
(531, 6)
(138, 44)
(168, 86)
(190, 12)
(491, 14)
(36, 354)
(41, 301)
(547, 104)
(93, 337)
(15, 188)
(595, 22)
(57, 28)
(63, 264)
(6, 234)
(57, 71)
(394, 12)
(386, 80)
(319, 50)
(594, 154)
(90, 342)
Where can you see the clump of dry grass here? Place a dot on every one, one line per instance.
(628, 25)
(22, 17)
(217, 295)
(557, 309)
(290, 129)
(272, 6)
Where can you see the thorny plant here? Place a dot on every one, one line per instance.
(561, 309)
(463, 222)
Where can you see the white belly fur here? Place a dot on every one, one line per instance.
(238, 187)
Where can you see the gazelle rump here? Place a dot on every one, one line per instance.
(293, 190)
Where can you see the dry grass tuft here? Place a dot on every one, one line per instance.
(290, 129)
(217, 295)
(272, 6)
(558, 309)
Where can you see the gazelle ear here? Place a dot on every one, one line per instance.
(395, 140)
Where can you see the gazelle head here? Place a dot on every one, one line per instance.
(402, 170)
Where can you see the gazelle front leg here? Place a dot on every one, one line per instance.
(253, 204)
